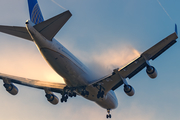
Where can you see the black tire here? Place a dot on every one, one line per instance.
(62, 100)
(74, 94)
(66, 97)
(87, 93)
(107, 116)
(101, 95)
(82, 93)
(98, 96)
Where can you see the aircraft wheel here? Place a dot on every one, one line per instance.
(70, 95)
(82, 93)
(66, 97)
(74, 94)
(98, 96)
(102, 94)
(87, 93)
(62, 100)
(107, 116)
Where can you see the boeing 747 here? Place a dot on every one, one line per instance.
(79, 80)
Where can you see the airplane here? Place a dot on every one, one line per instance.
(79, 80)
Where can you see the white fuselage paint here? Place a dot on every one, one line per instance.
(75, 74)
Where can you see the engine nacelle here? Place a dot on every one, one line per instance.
(129, 90)
(52, 98)
(151, 71)
(12, 89)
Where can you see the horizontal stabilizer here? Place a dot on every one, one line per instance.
(50, 27)
(16, 31)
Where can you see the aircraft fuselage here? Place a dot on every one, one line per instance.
(75, 74)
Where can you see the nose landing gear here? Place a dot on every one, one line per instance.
(108, 115)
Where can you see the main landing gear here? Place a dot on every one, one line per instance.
(84, 92)
(64, 98)
(67, 92)
(100, 93)
(108, 115)
(101, 90)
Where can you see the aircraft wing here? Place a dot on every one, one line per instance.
(54, 87)
(112, 82)
(16, 31)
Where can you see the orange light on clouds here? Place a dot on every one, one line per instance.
(104, 62)
(27, 62)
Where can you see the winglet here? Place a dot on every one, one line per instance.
(176, 29)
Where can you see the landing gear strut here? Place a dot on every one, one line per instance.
(67, 92)
(64, 98)
(100, 93)
(84, 92)
(108, 115)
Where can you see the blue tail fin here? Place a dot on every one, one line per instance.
(35, 12)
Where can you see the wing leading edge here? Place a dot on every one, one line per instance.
(54, 87)
(112, 82)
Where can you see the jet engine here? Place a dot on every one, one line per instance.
(12, 89)
(129, 90)
(52, 98)
(151, 71)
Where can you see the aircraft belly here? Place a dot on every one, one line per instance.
(64, 67)
(109, 101)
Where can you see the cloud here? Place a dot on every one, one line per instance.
(104, 61)
(21, 58)
(135, 112)
(24, 60)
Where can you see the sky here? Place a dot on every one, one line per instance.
(104, 35)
